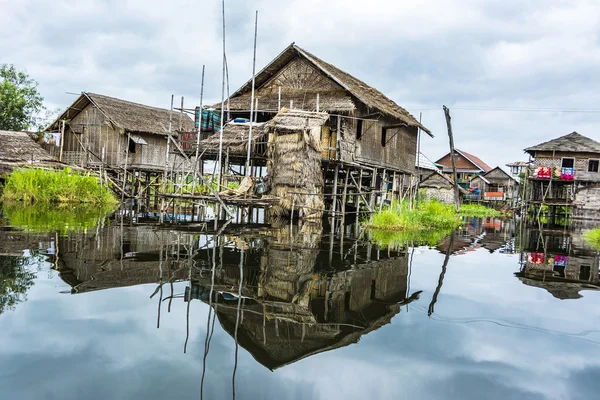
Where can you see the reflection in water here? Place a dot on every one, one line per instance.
(559, 261)
(285, 293)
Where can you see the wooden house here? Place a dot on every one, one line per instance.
(17, 150)
(367, 137)
(494, 186)
(468, 166)
(439, 187)
(105, 130)
(566, 171)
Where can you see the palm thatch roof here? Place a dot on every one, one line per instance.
(18, 149)
(128, 116)
(571, 143)
(350, 87)
(235, 138)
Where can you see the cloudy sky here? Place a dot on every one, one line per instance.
(495, 63)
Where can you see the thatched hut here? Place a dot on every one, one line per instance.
(105, 129)
(294, 168)
(439, 187)
(235, 143)
(17, 149)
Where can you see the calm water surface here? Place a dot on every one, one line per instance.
(135, 312)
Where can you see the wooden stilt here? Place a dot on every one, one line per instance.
(335, 188)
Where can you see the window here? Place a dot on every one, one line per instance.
(593, 165)
(131, 146)
(358, 129)
(568, 163)
(383, 136)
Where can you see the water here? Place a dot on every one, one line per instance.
(135, 312)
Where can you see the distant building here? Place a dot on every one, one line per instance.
(468, 166)
(439, 187)
(517, 168)
(495, 185)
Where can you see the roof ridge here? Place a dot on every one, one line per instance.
(128, 101)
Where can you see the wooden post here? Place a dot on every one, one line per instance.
(383, 189)
(125, 168)
(164, 185)
(279, 100)
(62, 140)
(453, 157)
(335, 187)
(373, 183)
(318, 103)
(199, 133)
(359, 189)
(344, 195)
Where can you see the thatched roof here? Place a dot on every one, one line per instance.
(18, 149)
(128, 116)
(438, 181)
(235, 138)
(354, 88)
(571, 143)
(297, 120)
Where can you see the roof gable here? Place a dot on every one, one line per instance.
(425, 163)
(468, 160)
(571, 143)
(498, 173)
(475, 160)
(128, 116)
(369, 96)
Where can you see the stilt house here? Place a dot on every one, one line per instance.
(566, 172)
(104, 130)
(494, 186)
(368, 140)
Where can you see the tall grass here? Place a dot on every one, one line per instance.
(46, 187)
(593, 238)
(61, 218)
(429, 214)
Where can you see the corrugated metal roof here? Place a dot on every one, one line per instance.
(425, 163)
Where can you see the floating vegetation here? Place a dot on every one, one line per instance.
(34, 185)
(399, 238)
(54, 218)
(478, 210)
(429, 214)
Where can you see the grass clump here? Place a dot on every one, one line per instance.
(48, 187)
(398, 238)
(593, 238)
(429, 214)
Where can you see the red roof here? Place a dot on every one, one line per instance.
(475, 160)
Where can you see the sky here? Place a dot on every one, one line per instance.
(513, 73)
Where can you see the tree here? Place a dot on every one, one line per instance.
(20, 101)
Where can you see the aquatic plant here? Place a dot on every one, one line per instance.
(399, 238)
(54, 218)
(430, 214)
(478, 210)
(33, 185)
(593, 238)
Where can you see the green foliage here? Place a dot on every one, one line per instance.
(20, 101)
(478, 210)
(427, 215)
(15, 280)
(61, 218)
(201, 187)
(44, 186)
(593, 238)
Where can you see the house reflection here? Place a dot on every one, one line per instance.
(559, 261)
(295, 304)
(493, 234)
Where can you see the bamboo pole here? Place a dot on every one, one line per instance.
(335, 187)
(252, 101)
(220, 158)
(199, 133)
(453, 157)
(164, 185)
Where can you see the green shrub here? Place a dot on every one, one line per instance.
(478, 210)
(46, 186)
